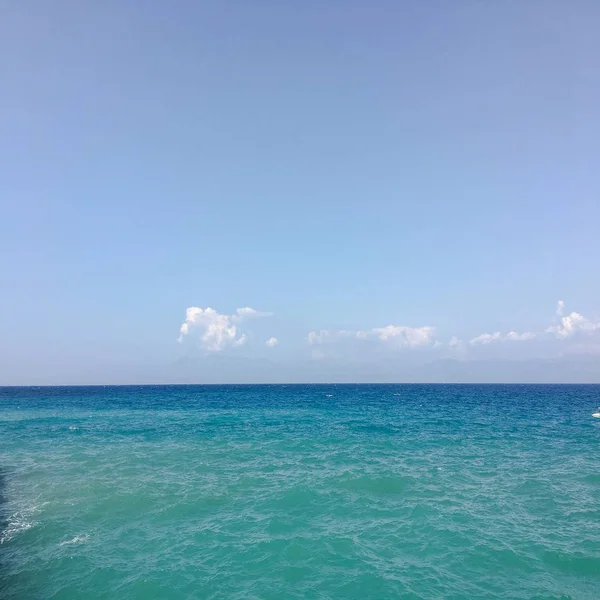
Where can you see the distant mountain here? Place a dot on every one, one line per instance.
(231, 369)
(219, 369)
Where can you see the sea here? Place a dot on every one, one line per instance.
(300, 491)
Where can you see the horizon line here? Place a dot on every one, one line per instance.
(298, 383)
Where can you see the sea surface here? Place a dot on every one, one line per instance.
(300, 491)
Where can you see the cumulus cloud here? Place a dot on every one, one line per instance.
(398, 335)
(511, 336)
(413, 337)
(567, 326)
(486, 338)
(406, 336)
(520, 337)
(217, 331)
(571, 324)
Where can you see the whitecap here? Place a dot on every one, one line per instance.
(17, 523)
(78, 539)
(20, 521)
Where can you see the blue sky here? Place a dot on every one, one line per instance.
(345, 166)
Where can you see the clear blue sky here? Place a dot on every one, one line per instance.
(344, 165)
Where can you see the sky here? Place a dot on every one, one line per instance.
(232, 191)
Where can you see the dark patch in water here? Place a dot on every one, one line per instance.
(3, 500)
(3, 525)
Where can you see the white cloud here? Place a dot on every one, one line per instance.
(217, 331)
(567, 326)
(399, 335)
(572, 324)
(241, 340)
(486, 338)
(406, 336)
(511, 336)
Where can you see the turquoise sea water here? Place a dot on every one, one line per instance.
(324, 491)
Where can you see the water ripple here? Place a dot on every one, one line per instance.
(362, 496)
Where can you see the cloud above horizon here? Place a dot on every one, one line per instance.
(511, 336)
(401, 336)
(571, 324)
(568, 325)
(217, 331)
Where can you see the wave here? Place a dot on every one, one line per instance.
(78, 539)
(16, 523)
